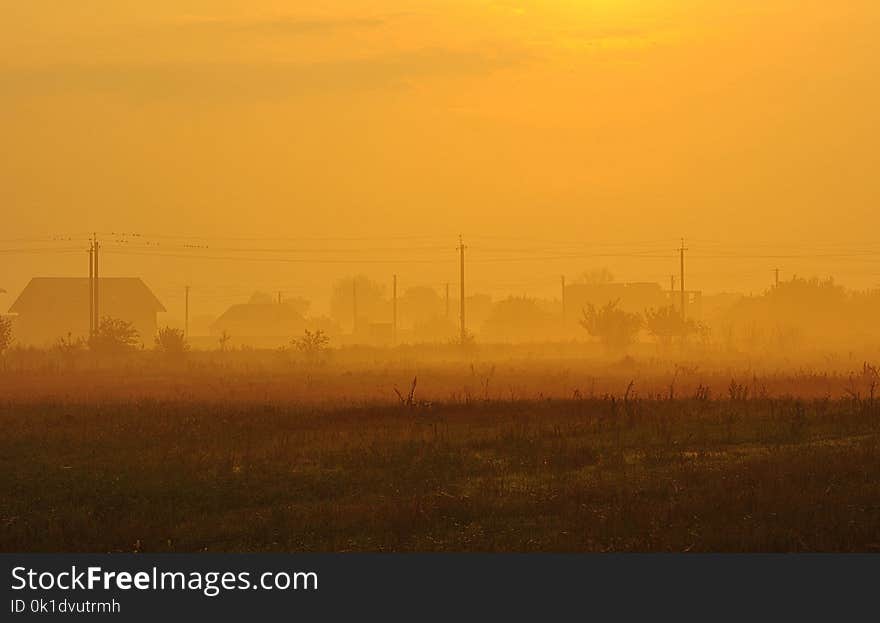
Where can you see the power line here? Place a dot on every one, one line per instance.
(281, 259)
(47, 250)
(274, 238)
(193, 247)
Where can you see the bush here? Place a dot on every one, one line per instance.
(5, 334)
(313, 344)
(223, 341)
(69, 345)
(114, 335)
(171, 341)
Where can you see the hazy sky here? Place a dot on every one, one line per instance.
(749, 126)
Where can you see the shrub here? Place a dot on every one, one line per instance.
(5, 334)
(114, 335)
(171, 341)
(223, 341)
(313, 344)
(68, 345)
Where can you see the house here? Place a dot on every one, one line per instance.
(52, 307)
(261, 320)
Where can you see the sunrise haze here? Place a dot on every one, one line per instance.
(355, 136)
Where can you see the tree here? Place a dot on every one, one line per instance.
(171, 342)
(667, 324)
(614, 327)
(114, 335)
(313, 344)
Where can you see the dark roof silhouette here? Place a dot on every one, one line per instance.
(41, 292)
(260, 313)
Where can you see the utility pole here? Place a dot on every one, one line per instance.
(681, 251)
(447, 299)
(279, 297)
(97, 281)
(91, 289)
(562, 279)
(394, 312)
(461, 249)
(777, 277)
(186, 313)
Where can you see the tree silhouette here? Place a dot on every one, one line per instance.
(667, 324)
(114, 335)
(614, 327)
(5, 334)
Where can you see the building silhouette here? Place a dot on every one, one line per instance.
(52, 307)
(260, 320)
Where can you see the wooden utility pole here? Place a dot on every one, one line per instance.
(394, 311)
(91, 289)
(97, 281)
(681, 251)
(186, 313)
(562, 279)
(461, 249)
(777, 277)
(447, 299)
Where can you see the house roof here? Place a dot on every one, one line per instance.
(260, 313)
(62, 292)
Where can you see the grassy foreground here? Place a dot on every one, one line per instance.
(579, 474)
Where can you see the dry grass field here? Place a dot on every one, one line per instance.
(253, 454)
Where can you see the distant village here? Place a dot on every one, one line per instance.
(361, 312)
(364, 312)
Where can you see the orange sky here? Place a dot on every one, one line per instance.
(552, 130)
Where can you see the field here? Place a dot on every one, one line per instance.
(254, 454)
